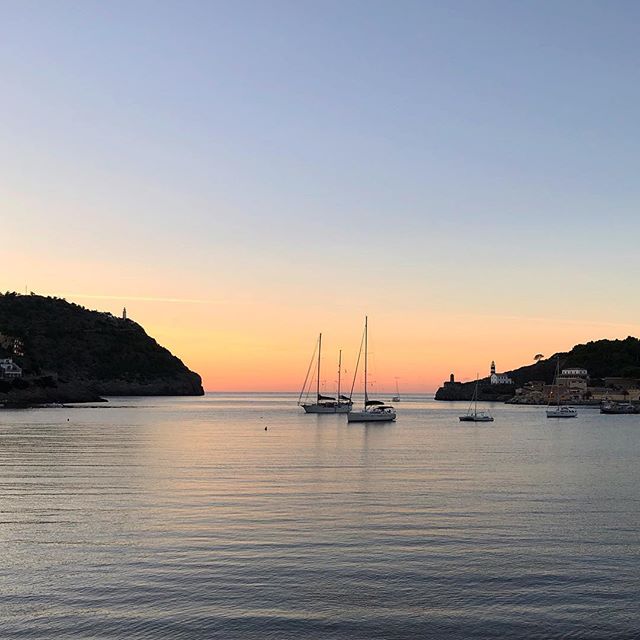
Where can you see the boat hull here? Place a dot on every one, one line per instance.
(475, 419)
(562, 413)
(369, 416)
(318, 408)
(619, 409)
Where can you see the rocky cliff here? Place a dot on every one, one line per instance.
(67, 351)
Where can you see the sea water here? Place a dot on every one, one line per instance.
(239, 516)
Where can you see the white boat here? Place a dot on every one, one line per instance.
(560, 411)
(323, 404)
(475, 415)
(373, 410)
(396, 398)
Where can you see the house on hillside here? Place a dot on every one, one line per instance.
(9, 369)
(12, 344)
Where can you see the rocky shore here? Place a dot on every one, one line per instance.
(540, 401)
(35, 395)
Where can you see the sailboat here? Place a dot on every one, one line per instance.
(560, 411)
(373, 410)
(324, 404)
(396, 398)
(475, 415)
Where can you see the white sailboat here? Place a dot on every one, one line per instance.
(475, 415)
(560, 411)
(324, 404)
(396, 398)
(373, 410)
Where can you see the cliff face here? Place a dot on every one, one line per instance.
(486, 391)
(90, 351)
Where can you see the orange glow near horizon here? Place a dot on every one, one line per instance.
(420, 352)
(261, 339)
(244, 346)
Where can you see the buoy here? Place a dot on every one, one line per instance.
(265, 428)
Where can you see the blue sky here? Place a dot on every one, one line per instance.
(398, 147)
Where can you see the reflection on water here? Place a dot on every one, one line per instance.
(184, 518)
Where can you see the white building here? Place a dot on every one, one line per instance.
(9, 369)
(499, 378)
(575, 372)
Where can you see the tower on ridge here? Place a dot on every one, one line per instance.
(124, 313)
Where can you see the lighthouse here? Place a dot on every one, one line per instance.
(499, 378)
(124, 313)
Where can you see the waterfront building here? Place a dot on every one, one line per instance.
(618, 382)
(573, 382)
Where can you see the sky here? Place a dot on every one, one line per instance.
(243, 175)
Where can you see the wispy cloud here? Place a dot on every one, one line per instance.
(125, 297)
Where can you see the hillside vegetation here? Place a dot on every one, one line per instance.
(109, 354)
(601, 358)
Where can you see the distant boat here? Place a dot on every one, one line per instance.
(475, 415)
(324, 404)
(396, 398)
(560, 411)
(618, 408)
(373, 410)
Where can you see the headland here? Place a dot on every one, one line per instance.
(590, 373)
(53, 351)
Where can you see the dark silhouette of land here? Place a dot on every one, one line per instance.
(71, 354)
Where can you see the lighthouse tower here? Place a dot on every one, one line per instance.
(124, 313)
(493, 367)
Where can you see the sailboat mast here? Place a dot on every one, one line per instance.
(475, 408)
(366, 395)
(318, 380)
(339, 370)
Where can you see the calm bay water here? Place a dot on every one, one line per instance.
(184, 518)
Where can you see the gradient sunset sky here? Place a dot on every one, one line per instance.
(243, 175)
